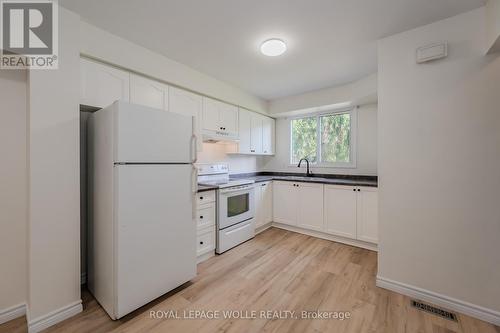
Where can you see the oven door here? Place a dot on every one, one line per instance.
(236, 204)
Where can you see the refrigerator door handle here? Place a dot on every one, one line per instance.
(194, 185)
(194, 148)
(194, 142)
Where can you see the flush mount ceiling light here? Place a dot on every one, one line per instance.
(273, 47)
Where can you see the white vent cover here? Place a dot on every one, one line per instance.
(432, 52)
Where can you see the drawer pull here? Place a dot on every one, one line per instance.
(201, 242)
(201, 216)
(201, 198)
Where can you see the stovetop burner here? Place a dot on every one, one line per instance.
(218, 175)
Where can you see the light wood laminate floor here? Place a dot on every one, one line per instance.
(278, 270)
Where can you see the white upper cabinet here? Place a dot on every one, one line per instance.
(148, 92)
(187, 103)
(268, 125)
(285, 202)
(256, 133)
(340, 210)
(211, 115)
(367, 204)
(228, 117)
(219, 119)
(310, 206)
(101, 85)
(245, 129)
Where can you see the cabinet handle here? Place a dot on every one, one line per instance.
(252, 150)
(354, 189)
(359, 190)
(201, 198)
(201, 216)
(201, 243)
(263, 185)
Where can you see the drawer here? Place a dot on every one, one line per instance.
(236, 234)
(205, 216)
(205, 242)
(205, 197)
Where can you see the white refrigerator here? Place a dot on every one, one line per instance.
(142, 234)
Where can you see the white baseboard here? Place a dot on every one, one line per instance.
(262, 228)
(449, 303)
(54, 317)
(13, 312)
(322, 235)
(205, 256)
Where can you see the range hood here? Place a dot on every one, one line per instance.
(215, 136)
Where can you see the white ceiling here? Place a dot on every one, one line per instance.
(330, 42)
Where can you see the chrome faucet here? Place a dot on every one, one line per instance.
(308, 173)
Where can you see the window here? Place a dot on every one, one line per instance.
(325, 139)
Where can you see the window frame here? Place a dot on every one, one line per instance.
(352, 111)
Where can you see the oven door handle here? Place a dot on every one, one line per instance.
(245, 189)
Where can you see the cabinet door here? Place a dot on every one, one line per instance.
(258, 206)
(101, 85)
(244, 119)
(285, 202)
(256, 133)
(310, 206)
(340, 210)
(268, 135)
(148, 92)
(211, 115)
(367, 223)
(187, 103)
(267, 202)
(228, 118)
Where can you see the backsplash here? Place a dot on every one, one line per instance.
(216, 152)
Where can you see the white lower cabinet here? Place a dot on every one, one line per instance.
(285, 202)
(310, 209)
(298, 204)
(367, 214)
(352, 212)
(205, 221)
(340, 210)
(347, 211)
(263, 203)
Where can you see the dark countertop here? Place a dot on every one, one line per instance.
(348, 180)
(203, 188)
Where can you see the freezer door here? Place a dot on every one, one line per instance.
(147, 135)
(155, 248)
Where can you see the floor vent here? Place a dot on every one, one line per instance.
(434, 310)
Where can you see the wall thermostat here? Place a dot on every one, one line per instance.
(432, 52)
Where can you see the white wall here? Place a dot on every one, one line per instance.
(439, 162)
(493, 26)
(366, 147)
(54, 214)
(216, 152)
(13, 189)
(359, 92)
(105, 46)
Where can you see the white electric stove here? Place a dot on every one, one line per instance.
(235, 205)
